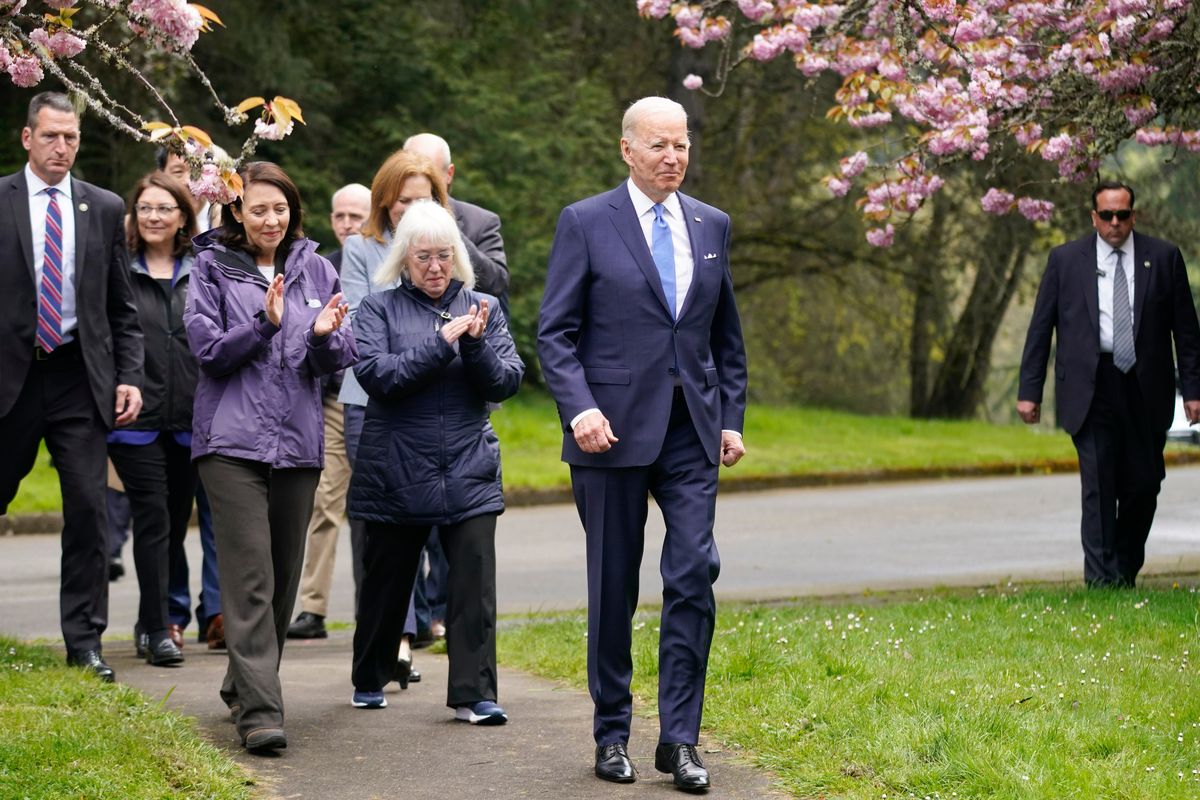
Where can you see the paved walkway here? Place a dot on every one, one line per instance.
(414, 748)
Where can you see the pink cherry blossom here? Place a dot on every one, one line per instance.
(272, 131)
(174, 23)
(997, 201)
(1035, 210)
(61, 44)
(657, 9)
(853, 166)
(837, 186)
(25, 71)
(693, 82)
(881, 237)
(60, 4)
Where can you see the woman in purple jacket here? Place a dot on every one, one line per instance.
(264, 317)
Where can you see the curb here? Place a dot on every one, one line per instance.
(51, 522)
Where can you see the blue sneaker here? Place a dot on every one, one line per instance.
(368, 700)
(485, 712)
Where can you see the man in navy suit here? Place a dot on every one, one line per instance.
(1117, 299)
(640, 342)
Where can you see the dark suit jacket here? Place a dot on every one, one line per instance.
(1068, 302)
(607, 340)
(481, 234)
(108, 330)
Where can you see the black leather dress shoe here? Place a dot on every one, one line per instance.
(91, 660)
(683, 762)
(307, 626)
(414, 676)
(141, 640)
(163, 654)
(613, 764)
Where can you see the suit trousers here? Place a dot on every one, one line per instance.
(329, 509)
(56, 404)
(260, 516)
(1121, 470)
(393, 555)
(612, 505)
(160, 483)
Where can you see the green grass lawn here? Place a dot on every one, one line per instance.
(66, 735)
(1010, 693)
(780, 442)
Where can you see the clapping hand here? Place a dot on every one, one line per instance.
(471, 324)
(331, 316)
(273, 304)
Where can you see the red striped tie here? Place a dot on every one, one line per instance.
(49, 328)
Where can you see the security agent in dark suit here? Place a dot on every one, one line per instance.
(1117, 299)
(70, 352)
(641, 344)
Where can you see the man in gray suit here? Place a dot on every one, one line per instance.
(70, 352)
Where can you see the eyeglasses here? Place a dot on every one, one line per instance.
(1123, 214)
(144, 210)
(425, 259)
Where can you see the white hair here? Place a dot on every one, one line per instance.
(426, 222)
(356, 190)
(648, 107)
(423, 143)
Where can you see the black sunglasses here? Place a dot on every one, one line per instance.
(1123, 214)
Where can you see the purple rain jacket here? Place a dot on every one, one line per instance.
(259, 394)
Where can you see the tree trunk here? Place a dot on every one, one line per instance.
(929, 308)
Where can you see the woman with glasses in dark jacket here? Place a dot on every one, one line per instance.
(153, 455)
(435, 354)
(264, 317)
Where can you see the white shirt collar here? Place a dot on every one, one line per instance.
(1106, 250)
(37, 185)
(642, 203)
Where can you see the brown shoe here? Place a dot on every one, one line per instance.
(175, 633)
(216, 633)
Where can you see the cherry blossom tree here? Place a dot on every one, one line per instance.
(80, 43)
(1065, 81)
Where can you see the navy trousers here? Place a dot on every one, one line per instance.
(612, 505)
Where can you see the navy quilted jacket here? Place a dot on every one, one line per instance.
(428, 454)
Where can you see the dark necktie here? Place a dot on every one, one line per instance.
(49, 322)
(1123, 354)
(664, 255)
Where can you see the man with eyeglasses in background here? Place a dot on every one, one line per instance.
(1117, 299)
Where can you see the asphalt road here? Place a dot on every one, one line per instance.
(774, 545)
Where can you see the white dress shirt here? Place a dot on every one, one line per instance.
(1106, 268)
(39, 202)
(682, 243)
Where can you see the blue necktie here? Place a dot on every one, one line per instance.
(1122, 319)
(664, 255)
(49, 322)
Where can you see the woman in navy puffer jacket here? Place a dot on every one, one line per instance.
(433, 354)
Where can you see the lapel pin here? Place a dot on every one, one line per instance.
(696, 218)
(1146, 264)
(83, 207)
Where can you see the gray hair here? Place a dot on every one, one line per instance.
(648, 107)
(56, 101)
(425, 221)
(359, 192)
(424, 143)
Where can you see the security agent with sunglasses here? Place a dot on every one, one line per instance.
(1117, 299)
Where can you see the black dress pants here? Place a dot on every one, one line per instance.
(1121, 471)
(393, 554)
(160, 483)
(56, 404)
